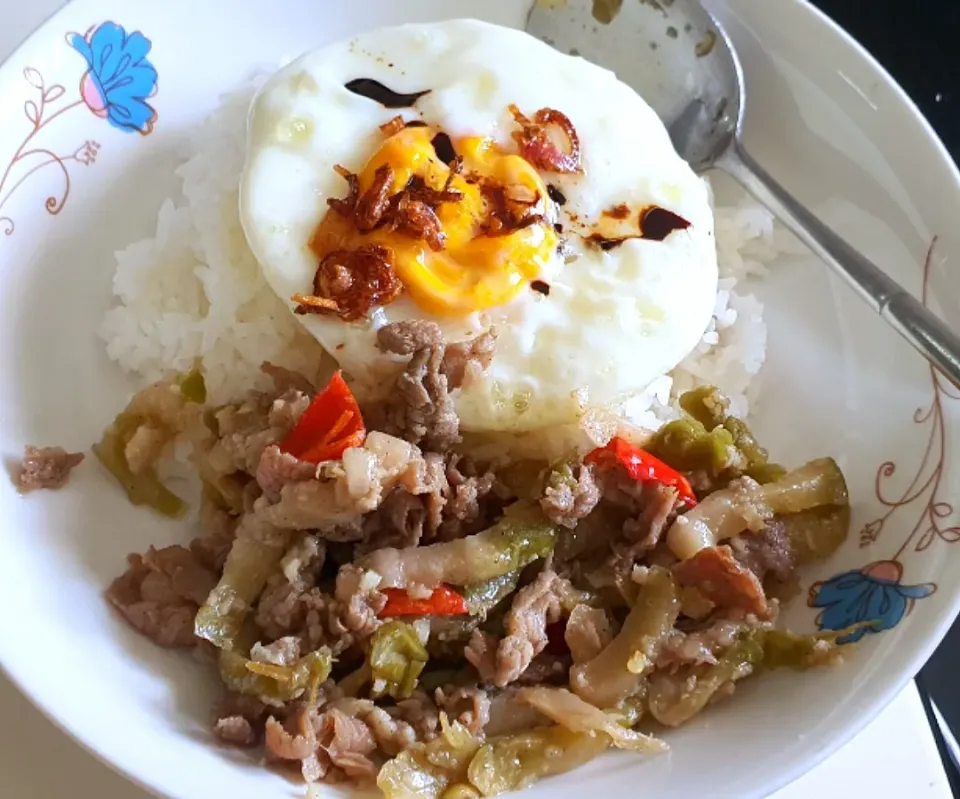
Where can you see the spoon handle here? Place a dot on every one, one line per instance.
(931, 337)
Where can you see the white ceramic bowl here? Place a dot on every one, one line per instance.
(823, 117)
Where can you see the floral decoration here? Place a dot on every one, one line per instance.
(119, 79)
(116, 85)
(870, 600)
(874, 598)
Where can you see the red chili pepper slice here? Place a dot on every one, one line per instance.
(444, 601)
(329, 426)
(641, 466)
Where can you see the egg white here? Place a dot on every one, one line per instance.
(613, 321)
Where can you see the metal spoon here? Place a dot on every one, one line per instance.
(678, 57)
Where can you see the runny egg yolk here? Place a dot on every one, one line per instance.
(483, 263)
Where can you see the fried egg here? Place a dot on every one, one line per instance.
(590, 307)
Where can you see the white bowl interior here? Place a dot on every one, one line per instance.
(824, 120)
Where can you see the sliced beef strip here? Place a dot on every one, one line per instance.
(276, 469)
(281, 611)
(282, 652)
(421, 713)
(393, 735)
(467, 496)
(697, 647)
(295, 740)
(421, 410)
(394, 728)
(723, 580)
(160, 594)
(406, 338)
(398, 522)
(466, 360)
(534, 607)
(566, 502)
(346, 490)
(547, 668)
(481, 653)
(360, 601)
(347, 743)
(45, 467)
(652, 508)
(658, 508)
(766, 552)
(235, 730)
(239, 720)
(449, 499)
(469, 706)
(246, 429)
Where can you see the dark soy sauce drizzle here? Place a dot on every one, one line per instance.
(443, 147)
(387, 97)
(657, 223)
(556, 195)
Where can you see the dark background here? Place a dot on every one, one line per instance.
(918, 42)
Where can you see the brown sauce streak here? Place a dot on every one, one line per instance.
(621, 211)
(657, 223)
(387, 97)
(541, 287)
(556, 195)
(443, 147)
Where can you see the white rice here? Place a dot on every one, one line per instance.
(194, 292)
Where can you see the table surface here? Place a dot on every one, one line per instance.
(894, 757)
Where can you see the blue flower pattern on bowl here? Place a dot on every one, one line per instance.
(116, 85)
(120, 78)
(872, 597)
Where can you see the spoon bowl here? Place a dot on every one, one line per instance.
(678, 57)
(674, 55)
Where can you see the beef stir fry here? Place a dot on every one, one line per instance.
(382, 606)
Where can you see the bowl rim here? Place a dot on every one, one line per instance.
(937, 627)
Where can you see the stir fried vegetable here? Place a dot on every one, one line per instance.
(272, 684)
(619, 669)
(426, 771)
(734, 664)
(641, 466)
(193, 387)
(783, 649)
(815, 485)
(329, 426)
(250, 563)
(572, 712)
(723, 580)
(710, 440)
(481, 598)
(397, 656)
(746, 504)
(151, 420)
(509, 545)
(817, 533)
(767, 649)
(524, 479)
(444, 601)
(514, 762)
(144, 488)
